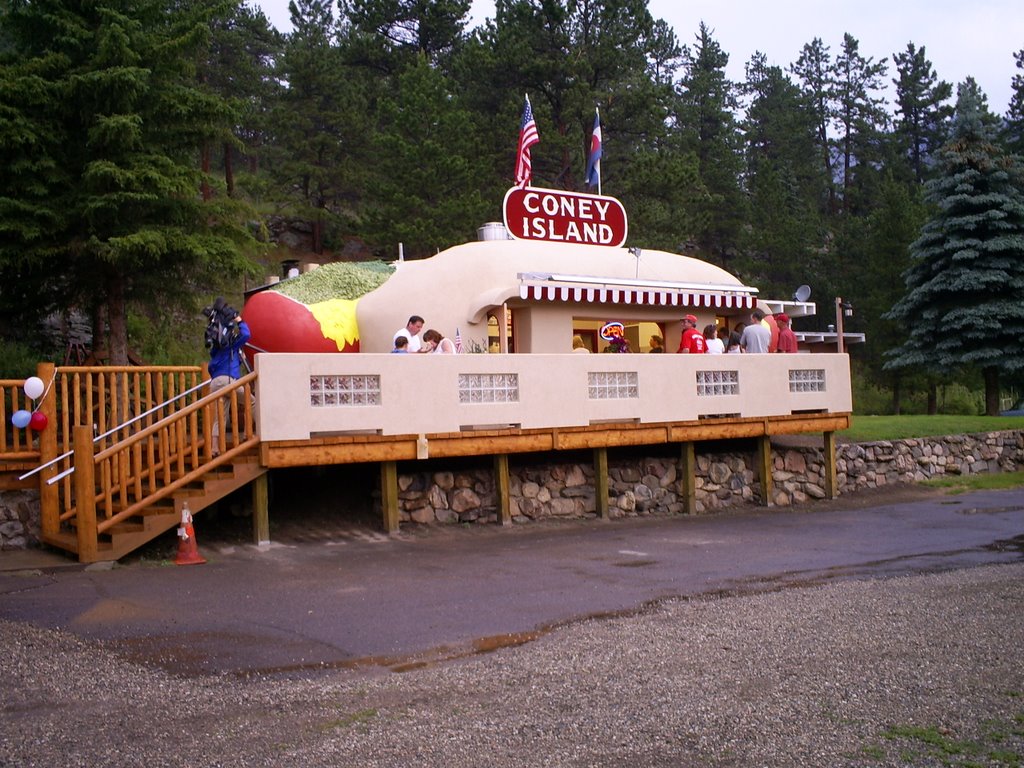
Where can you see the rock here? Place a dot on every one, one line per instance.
(422, 515)
(530, 490)
(718, 472)
(464, 499)
(444, 480)
(575, 477)
(795, 462)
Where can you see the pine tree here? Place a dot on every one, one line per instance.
(103, 210)
(708, 101)
(963, 303)
(859, 116)
(922, 113)
(1013, 134)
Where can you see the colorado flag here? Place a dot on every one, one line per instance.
(594, 158)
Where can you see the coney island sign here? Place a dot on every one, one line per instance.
(564, 217)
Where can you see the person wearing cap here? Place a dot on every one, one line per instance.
(787, 339)
(693, 340)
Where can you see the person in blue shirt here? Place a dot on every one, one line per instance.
(226, 361)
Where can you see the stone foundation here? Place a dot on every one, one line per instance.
(644, 486)
(19, 519)
(651, 485)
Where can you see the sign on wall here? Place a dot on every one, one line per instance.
(564, 217)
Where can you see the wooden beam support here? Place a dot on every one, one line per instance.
(85, 496)
(261, 511)
(49, 495)
(831, 475)
(389, 495)
(601, 481)
(764, 469)
(688, 478)
(501, 489)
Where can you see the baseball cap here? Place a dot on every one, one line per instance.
(691, 318)
(782, 317)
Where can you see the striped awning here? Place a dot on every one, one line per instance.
(641, 297)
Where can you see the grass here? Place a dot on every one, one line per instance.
(996, 744)
(987, 481)
(866, 429)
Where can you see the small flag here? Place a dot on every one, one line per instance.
(594, 158)
(458, 341)
(528, 136)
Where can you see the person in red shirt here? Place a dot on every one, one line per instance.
(787, 339)
(693, 340)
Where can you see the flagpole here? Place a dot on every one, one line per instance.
(597, 111)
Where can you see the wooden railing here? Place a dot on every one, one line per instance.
(119, 439)
(17, 446)
(120, 481)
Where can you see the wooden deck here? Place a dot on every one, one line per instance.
(128, 448)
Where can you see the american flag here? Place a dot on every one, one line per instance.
(594, 158)
(528, 136)
(458, 341)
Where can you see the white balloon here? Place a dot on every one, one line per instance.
(34, 387)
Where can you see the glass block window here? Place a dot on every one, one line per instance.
(809, 380)
(488, 387)
(343, 391)
(711, 383)
(613, 385)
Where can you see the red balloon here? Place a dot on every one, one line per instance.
(38, 422)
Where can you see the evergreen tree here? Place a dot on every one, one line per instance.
(1013, 134)
(814, 70)
(963, 301)
(859, 116)
(426, 187)
(707, 105)
(322, 124)
(103, 210)
(783, 183)
(921, 110)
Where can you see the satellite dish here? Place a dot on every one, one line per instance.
(803, 293)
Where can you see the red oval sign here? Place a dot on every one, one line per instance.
(565, 217)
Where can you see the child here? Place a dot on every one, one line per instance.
(401, 345)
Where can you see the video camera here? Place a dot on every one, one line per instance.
(221, 327)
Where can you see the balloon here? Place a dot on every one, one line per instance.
(38, 421)
(21, 419)
(34, 387)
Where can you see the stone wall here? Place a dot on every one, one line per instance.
(650, 485)
(19, 519)
(646, 485)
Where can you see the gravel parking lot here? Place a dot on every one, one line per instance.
(920, 670)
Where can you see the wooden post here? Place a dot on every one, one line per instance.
(389, 495)
(501, 489)
(831, 476)
(601, 481)
(261, 511)
(85, 495)
(764, 468)
(49, 495)
(688, 478)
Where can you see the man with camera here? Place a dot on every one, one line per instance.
(226, 334)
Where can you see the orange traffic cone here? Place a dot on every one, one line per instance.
(188, 550)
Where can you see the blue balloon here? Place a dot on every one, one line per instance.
(21, 419)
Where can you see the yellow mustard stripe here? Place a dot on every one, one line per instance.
(337, 318)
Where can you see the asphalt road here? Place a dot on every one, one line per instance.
(359, 599)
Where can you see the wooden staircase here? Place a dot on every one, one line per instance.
(143, 526)
(127, 448)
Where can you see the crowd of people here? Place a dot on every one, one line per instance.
(755, 337)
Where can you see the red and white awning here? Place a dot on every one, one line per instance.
(658, 298)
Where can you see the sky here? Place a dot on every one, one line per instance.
(961, 38)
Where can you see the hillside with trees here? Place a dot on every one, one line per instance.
(154, 154)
